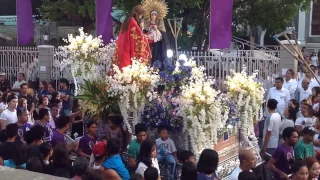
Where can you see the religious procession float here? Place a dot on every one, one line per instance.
(121, 77)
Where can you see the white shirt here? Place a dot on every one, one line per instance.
(9, 116)
(286, 123)
(235, 173)
(315, 106)
(142, 167)
(273, 125)
(168, 145)
(17, 84)
(305, 122)
(291, 85)
(314, 60)
(282, 96)
(313, 83)
(3, 106)
(304, 94)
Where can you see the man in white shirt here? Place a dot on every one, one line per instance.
(17, 84)
(305, 91)
(9, 116)
(280, 94)
(247, 163)
(290, 83)
(271, 129)
(313, 82)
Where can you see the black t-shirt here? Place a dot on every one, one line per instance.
(7, 149)
(29, 99)
(33, 151)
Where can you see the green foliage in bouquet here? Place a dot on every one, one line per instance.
(95, 99)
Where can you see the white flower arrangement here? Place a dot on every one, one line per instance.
(134, 85)
(201, 110)
(248, 95)
(85, 55)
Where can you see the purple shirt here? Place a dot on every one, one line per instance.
(58, 138)
(86, 144)
(47, 132)
(284, 157)
(22, 130)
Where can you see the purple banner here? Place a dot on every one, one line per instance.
(25, 22)
(104, 20)
(220, 23)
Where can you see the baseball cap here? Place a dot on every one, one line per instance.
(99, 149)
(309, 131)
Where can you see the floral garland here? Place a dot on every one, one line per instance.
(201, 110)
(133, 86)
(86, 54)
(248, 95)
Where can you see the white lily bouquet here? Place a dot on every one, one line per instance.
(201, 110)
(87, 56)
(133, 85)
(248, 95)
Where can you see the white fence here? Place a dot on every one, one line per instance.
(218, 64)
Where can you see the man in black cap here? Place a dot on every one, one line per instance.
(304, 147)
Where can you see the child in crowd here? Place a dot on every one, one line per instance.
(99, 152)
(185, 156)
(147, 157)
(189, 171)
(87, 142)
(115, 124)
(167, 150)
(151, 174)
(46, 152)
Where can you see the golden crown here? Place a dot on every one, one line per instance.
(159, 6)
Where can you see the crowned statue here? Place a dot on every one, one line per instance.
(154, 13)
(132, 42)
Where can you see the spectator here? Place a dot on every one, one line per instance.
(313, 167)
(19, 157)
(77, 120)
(134, 147)
(17, 85)
(60, 165)
(115, 123)
(189, 171)
(99, 152)
(304, 147)
(299, 171)
(22, 103)
(151, 174)
(314, 59)
(58, 137)
(9, 116)
(309, 75)
(306, 120)
(80, 167)
(93, 175)
(51, 87)
(6, 148)
(4, 103)
(34, 164)
(207, 165)
(54, 97)
(4, 82)
(136, 177)
(37, 133)
(247, 175)
(247, 163)
(65, 96)
(23, 125)
(46, 152)
(280, 94)
(290, 118)
(54, 114)
(43, 89)
(147, 157)
(295, 104)
(44, 116)
(86, 142)
(315, 91)
(271, 128)
(304, 90)
(186, 156)
(24, 94)
(113, 166)
(283, 157)
(43, 104)
(290, 83)
(167, 150)
(28, 138)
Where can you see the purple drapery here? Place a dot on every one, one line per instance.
(104, 20)
(220, 23)
(25, 22)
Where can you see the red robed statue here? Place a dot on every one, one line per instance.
(131, 41)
